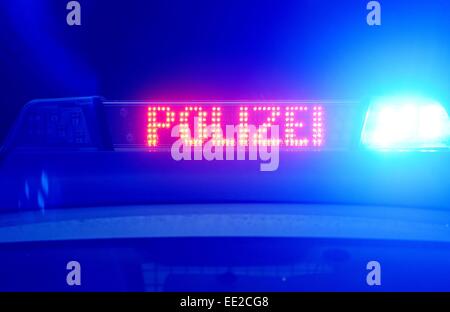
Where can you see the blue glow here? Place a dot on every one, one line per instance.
(406, 123)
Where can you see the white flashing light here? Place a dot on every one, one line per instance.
(406, 123)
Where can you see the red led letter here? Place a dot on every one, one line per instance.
(153, 124)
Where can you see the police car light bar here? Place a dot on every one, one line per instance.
(406, 123)
(91, 123)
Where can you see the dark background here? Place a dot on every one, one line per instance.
(234, 49)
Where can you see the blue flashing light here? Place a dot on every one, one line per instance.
(406, 123)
